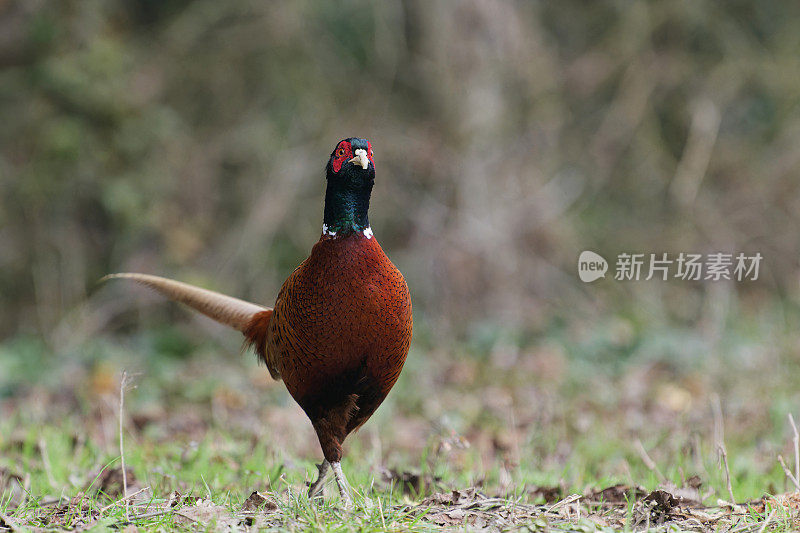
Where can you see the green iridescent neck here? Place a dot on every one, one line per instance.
(346, 209)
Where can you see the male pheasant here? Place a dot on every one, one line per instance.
(341, 326)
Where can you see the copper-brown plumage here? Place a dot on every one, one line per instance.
(340, 330)
(338, 335)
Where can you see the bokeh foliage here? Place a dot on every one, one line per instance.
(188, 138)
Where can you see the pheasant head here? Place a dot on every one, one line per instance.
(350, 174)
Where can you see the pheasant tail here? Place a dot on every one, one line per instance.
(227, 310)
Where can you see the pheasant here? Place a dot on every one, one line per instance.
(340, 329)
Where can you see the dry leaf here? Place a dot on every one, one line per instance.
(615, 494)
(206, 513)
(410, 482)
(259, 502)
(109, 482)
(549, 494)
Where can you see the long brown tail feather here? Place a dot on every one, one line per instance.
(226, 310)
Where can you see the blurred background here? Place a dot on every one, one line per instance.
(189, 138)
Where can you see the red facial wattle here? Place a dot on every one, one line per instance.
(343, 153)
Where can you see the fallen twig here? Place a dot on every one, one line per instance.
(796, 442)
(769, 518)
(122, 383)
(719, 433)
(789, 474)
(145, 516)
(48, 469)
(724, 456)
(569, 499)
(5, 521)
(123, 499)
(648, 461)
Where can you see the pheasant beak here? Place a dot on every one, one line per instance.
(361, 159)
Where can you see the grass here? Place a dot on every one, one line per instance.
(544, 436)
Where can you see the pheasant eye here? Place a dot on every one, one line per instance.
(340, 152)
